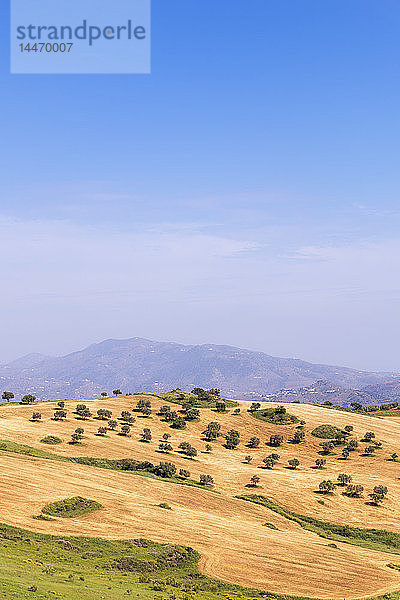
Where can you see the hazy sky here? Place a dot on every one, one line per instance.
(245, 193)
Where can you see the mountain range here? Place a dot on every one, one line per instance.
(138, 364)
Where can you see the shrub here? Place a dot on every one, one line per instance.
(184, 473)
(71, 507)
(52, 440)
(326, 431)
(248, 459)
(320, 463)
(294, 463)
(102, 431)
(125, 430)
(164, 505)
(37, 416)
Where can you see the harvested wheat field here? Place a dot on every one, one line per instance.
(231, 534)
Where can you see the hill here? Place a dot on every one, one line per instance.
(143, 365)
(282, 535)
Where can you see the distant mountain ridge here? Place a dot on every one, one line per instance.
(139, 364)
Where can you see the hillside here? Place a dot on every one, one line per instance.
(239, 541)
(143, 365)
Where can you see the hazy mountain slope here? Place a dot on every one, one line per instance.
(143, 365)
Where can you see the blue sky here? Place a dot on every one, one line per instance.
(246, 192)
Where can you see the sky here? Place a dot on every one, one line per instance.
(247, 192)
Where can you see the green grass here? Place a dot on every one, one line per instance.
(71, 507)
(80, 568)
(373, 539)
(326, 431)
(270, 415)
(117, 465)
(175, 398)
(102, 463)
(16, 448)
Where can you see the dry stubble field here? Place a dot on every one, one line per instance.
(229, 533)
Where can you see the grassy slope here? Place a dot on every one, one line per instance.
(85, 568)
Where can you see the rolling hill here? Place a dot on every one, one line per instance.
(281, 536)
(143, 365)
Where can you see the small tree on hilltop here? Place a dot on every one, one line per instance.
(378, 494)
(327, 447)
(299, 436)
(178, 423)
(28, 399)
(212, 432)
(146, 435)
(206, 480)
(125, 430)
(254, 442)
(345, 453)
(254, 481)
(7, 396)
(254, 406)
(354, 491)
(326, 487)
(117, 392)
(165, 447)
(344, 478)
(165, 469)
(276, 440)
(232, 439)
(236, 411)
(60, 415)
(104, 394)
(294, 463)
(143, 403)
(220, 406)
(61, 404)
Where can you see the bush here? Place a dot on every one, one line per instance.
(71, 507)
(52, 440)
(327, 431)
